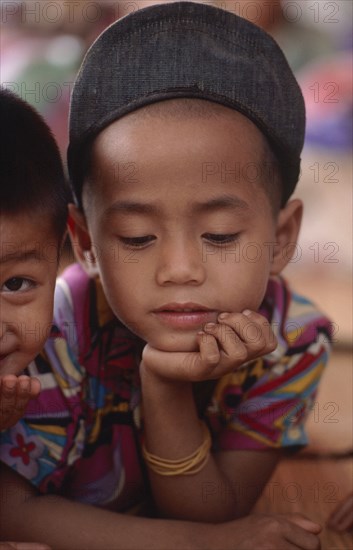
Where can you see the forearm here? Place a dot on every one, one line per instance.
(173, 431)
(68, 525)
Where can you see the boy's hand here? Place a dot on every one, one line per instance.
(341, 518)
(236, 339)
(15, 393)
(284, 532)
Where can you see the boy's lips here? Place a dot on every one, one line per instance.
(186, 315)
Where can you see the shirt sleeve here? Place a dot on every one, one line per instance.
(264, 403)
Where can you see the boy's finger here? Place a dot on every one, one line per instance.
(259, 332)
(209, 353)
(253, 330)
(302, 532)
(301, 538)
(229, 342)
(236, 322)
(305, 523)
(342, 517)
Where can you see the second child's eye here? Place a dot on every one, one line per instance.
(137, 242)
(220, 238)
(16, 284)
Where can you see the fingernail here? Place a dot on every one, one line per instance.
(247, 312)
(223, 316)
(210, 326)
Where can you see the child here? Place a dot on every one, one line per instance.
(32, 189)
(33, 197)
(186, 131)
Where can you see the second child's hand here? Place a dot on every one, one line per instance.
(224, 346)
(15, 394)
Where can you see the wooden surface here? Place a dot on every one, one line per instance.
(312, 487)
(314, 481)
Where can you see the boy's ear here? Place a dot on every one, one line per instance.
(81, 240)
(287, 231)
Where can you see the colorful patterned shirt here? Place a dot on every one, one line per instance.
(81, 437)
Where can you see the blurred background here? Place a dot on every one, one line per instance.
(42, 44)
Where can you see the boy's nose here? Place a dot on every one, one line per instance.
(180, 263)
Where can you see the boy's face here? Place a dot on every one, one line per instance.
(28, 266)
(180, 230)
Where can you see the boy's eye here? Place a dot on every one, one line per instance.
(220, 238)
(137, 242)
(16, 284)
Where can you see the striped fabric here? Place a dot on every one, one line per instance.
(264, 404)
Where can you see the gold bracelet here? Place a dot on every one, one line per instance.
(184, 466)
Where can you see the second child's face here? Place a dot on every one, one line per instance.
(28, 266)
(179, 226)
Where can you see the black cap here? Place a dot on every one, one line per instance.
(192, 50)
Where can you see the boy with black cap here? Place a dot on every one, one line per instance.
(186, 131)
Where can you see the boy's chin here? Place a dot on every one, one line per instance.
(175, 343)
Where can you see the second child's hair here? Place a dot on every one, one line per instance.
(32, 176)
